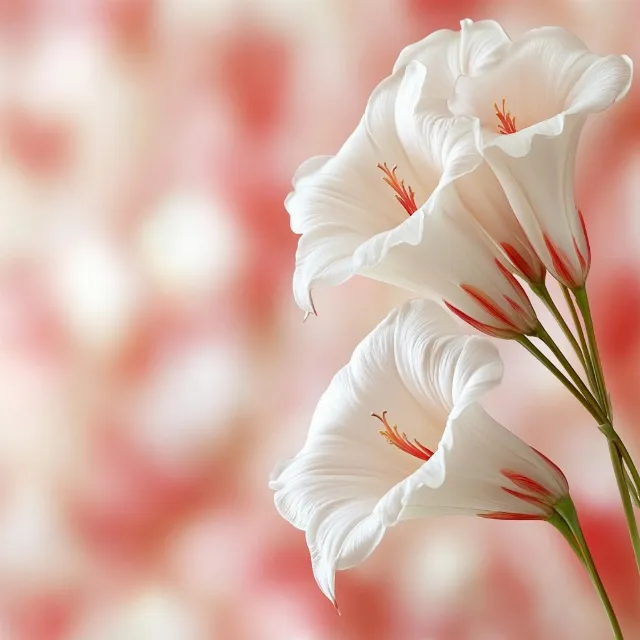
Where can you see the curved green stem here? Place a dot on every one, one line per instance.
(566, 511)
(634, 481)
(577, 380)
(588, 365)
(541, 357)
(582, 300)
(543, 293)
(632, 525)
(561, 525)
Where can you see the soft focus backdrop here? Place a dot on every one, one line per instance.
(153, 365)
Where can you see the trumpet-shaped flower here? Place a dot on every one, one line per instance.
(528, 100)
(399, 434)
(408, 200)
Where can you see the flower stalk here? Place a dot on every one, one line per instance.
(581, 337)
(565, 520)
(598, 403)
(542, 292)
(623, 465)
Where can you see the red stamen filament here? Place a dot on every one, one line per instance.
(507, 123)
(404, 195)
(395, 438)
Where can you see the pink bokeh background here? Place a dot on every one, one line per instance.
(154, 367)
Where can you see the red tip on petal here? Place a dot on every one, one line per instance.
(562, 266)
(526, 483)
(494, 332)
(504, 515)
(552, 464)
(583, 262)
(511, 279)
(536, 502)
(489, 306)
(586, 235)
(521, 264)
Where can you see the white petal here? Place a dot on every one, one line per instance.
(324, 257)
(540, 189)
(546, 72)
(340, 202)
(437, 251)
(343, 486)
(443, 368)
(550, 83)
(448, 142)
(447, 54)
(331, 488)
(464, 475)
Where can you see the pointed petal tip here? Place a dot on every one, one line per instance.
(623, 92)
(309, 307)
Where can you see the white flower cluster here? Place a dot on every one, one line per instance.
(457, 184)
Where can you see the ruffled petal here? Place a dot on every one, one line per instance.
(348, 480)
(449, 143)
(442, 253)
(547, 83)
(331, 488)
(340, 202)
(444, 368)
(447, 53)
(481, 468)
(540, 188)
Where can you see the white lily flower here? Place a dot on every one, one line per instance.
(399, 434)
(529, 100)
(408, 200)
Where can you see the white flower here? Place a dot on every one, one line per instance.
(359, 473)
(528, 101)
(408, 200)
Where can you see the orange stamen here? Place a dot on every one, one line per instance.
(393, 437)
(507, 123)
(404, 195)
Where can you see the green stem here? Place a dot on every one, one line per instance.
(536, 353)
(567, 512)
(588, 365)
(543, 293)
(577, 380)
(582, 300)
(621, 480)
(631, 467)
(633, 490)
(561, 525)
(617, 451)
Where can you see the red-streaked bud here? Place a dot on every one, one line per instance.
(508, 314)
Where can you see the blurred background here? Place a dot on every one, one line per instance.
(154, 367)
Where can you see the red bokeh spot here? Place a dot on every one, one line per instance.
(253, 74)
(39, 145)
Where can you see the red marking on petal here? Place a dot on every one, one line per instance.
(525, 497)
(514, 305)
(586, 235)
(526, 483)
(513, 281)
(583, 263)
(504, 515)
(521, 264)
(494, 332)
(394, 437)
(489, 306)
(560, 265)
(552, 464)
(404, 195)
